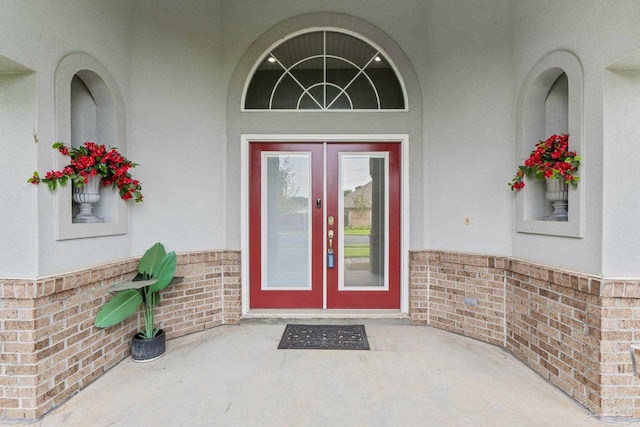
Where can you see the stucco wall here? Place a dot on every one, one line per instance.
(468, 126)
(177, 123)
(174, 64)
(592, 31)
(38, 35)
(17, 118)
(621, 134)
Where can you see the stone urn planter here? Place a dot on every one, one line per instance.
(558, 194)
(86, 196)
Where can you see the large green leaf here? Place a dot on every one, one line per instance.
(121, 286)
(151, 259)
(165, 272)
(153, 298)
(121, 306)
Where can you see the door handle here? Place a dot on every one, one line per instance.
(330, 250)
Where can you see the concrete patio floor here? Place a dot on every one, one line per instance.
(236, 376)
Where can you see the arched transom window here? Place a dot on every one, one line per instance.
(324, 70)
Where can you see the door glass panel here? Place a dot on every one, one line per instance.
(364, 209)
(286, 208)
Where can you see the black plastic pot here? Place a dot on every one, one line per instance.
(146, 350)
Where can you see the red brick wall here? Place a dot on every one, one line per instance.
(620, 327)
(460, 293)
(573, 329)
(553, 325)
(49, 348)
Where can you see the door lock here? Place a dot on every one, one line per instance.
(318, 203)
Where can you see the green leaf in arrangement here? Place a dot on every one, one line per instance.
(151, 259)
(165, 272)
(121, 306)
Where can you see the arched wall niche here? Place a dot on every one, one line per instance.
(88, 107)
(550, 101)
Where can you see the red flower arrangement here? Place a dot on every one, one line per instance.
(89, 160)
(550, 159)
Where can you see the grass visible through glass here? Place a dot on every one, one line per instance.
(357, 250)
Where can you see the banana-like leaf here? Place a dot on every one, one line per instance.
(121, 286)
(154, 299)
(121, 306)
(165, 272)
(151, 259)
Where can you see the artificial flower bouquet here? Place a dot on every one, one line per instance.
(550, 159)
(89, 160)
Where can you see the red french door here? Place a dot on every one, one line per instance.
(324, 225)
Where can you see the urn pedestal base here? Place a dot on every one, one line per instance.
(86, 196)
(558, 194)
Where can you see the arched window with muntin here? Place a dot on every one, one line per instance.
(325, 70)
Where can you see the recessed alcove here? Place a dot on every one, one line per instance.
(88, 108)
(550, 102)
(557, 106)
(92, 119)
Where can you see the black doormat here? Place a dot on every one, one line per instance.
(324, 337)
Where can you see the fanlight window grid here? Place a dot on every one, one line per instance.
(325, 70)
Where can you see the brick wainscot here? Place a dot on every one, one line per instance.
(573, 329)
(49, 348)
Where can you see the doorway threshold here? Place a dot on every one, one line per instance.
(330, 317)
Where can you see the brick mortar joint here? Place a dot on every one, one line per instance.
(435, 260)
(42, 286)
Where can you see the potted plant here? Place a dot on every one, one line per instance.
(90, 165)
(155, 272)
(551, 160)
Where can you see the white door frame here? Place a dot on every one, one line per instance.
(403, 139)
